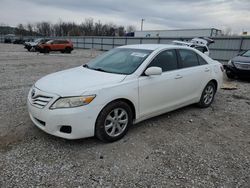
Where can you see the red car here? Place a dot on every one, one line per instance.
(64, 46)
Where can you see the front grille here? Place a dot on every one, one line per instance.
(40, 101)
(242, 66)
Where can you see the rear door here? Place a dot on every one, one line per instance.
(196, 73)
(57, 45)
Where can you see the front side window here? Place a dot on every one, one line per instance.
(188, 58)
(119, 60)
(167, 60)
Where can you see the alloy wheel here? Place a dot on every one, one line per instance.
(116, 122)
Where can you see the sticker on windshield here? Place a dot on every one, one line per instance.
(138, 54)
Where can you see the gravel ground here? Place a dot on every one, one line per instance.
(189, 147)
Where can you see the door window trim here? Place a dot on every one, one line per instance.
(177, 59)
(180, 62)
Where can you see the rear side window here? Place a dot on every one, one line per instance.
(188, 58)
(201, 60)
(62, 42)
(167, 60)
(55, 42)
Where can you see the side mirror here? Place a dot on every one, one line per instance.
(153, 71)
(207, 53)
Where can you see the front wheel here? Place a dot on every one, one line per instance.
(207, 95)
(113, 121)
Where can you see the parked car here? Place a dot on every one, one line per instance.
(32, 46)
(239, 66)
(19, 41)
(64, 46)
(9, 38)
(123, 86)
(199, 43)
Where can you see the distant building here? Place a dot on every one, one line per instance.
(208, 32)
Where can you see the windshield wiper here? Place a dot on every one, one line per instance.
(99, 69)
(86, 66)
(96, 69)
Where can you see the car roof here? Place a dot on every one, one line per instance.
(155, 46)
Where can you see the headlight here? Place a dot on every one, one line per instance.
(230, 63)
(70, 102)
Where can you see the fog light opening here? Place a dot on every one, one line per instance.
(66, 129)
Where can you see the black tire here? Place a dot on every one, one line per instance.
(207, 96)
(62, 51)
(46, 50)
(229, 74)
(68, 50)
(101, 127)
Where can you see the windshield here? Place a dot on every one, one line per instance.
(246, 54)
(49, 42)
(119, 60)
(37, 40)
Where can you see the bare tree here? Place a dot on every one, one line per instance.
(30, 28)
(88, 28)
(20, 30)
(130, 28)
(44, 28)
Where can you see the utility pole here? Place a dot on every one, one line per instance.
(142, 20)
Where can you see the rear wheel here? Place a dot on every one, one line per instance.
(113, 121)
(68, 50)
(207, 96)
(46, 50)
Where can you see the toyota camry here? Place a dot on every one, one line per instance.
(121, 87)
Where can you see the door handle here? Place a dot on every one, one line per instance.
(207, 69)
(178, 76)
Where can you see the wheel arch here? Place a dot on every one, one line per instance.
(129, 102)
(215, 83)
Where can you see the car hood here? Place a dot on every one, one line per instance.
(241, 59)
(76, 81)
(33, 43)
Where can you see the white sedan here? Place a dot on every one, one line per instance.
(126, 85)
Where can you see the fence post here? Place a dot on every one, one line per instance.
(159, 40)
(241, 42)
(102, 44)
(83, 42)
(92, 42)
(113, 41)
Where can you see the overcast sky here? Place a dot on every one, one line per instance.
(158, 14)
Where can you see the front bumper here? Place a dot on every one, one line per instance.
(237, 72)
(80, 119)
